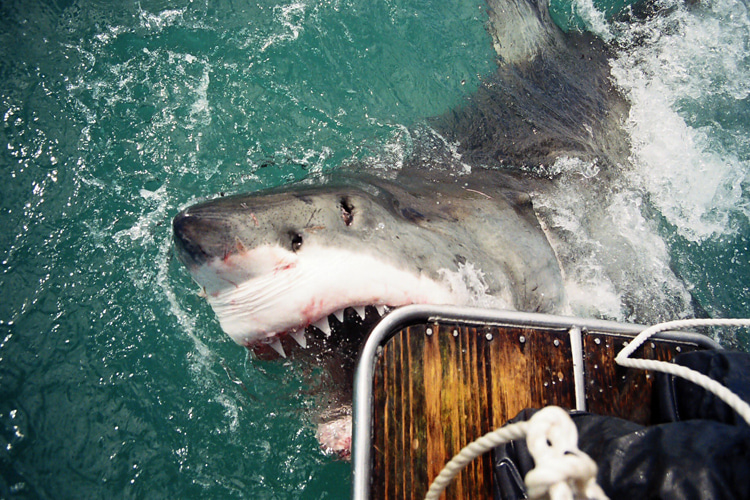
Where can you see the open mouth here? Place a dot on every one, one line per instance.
(351, 325)
(332, 345)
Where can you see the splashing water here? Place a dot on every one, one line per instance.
(115, 380)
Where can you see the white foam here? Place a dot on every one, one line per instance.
(566, 164)
(143, 229)
(468, 286)
(185, 320)
(200, 111)
(290, 17)
(674, 69)
(157, 22)
(614, 263)
(593, 18)
(313, 160)
(392, 154)
(201, 361)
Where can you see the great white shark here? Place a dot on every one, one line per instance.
(273, 263)
(280, 267)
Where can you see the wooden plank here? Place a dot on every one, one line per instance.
(622, 392)
(531, 369)
(436, 392)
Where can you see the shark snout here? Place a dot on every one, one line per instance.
(187, 231)
(210, 231)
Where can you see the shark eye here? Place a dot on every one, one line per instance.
(296, 241)
(346, 211)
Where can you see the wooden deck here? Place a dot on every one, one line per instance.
(438, 386)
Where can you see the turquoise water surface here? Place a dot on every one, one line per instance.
(115, 379)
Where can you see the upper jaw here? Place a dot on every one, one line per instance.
(270, 291)
(356, 321)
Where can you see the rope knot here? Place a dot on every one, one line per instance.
(561, 469)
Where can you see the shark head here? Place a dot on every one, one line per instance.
(275, 263)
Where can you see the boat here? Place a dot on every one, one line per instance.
(431, 380)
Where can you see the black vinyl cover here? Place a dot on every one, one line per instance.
(679, 399)
(705, 455)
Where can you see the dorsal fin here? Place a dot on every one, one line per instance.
(521, 30)
(551, 97)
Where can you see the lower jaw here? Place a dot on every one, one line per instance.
(335, 437)
(335, 354)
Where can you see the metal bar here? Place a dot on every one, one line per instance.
(576, 347)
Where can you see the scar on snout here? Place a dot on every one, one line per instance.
(255, 219)
(239, 244)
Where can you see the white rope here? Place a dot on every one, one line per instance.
(472, 451)
(709, 384)
(561, 469)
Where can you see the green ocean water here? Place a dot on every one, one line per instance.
(115, 379)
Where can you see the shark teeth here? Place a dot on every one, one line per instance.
(360, 310)
(339, 315)
(299, 336)
(326, 323)
(324, 326)
(276, 346)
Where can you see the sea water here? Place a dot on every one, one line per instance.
(115, 379)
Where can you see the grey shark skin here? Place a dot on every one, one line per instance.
(275, 263)
(552, 96)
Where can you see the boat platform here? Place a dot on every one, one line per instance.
(432, 379)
